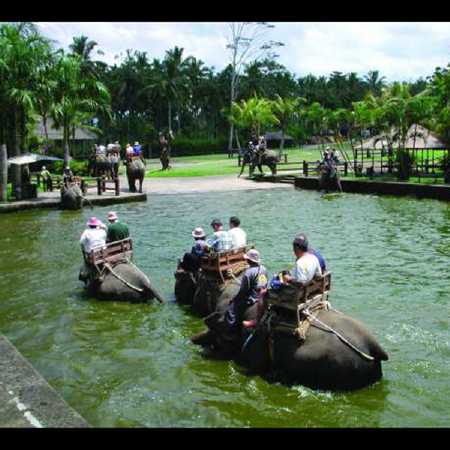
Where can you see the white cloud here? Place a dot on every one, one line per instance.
(403, 51)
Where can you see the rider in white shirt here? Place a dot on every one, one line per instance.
(238, 235)
(93, 236)
(307, 265)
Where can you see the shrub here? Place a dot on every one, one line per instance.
(79, 168)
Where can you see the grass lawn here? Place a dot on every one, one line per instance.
(217, 164)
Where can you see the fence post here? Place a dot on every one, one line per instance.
(285, 158)
(117, 186)
(239, 160)
(99, 186)
(103, 183)
(305, 168)
(345, 168)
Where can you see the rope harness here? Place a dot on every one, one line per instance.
(306, 315)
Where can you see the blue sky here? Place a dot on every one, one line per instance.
(400, 50)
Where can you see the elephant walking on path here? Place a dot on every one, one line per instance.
(254, 159)
(135, 171)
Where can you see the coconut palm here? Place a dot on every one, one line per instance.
(284, 110)
(252, 114)
(76, 98)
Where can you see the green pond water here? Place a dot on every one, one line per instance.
(122, 364)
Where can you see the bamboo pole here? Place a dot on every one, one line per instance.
(3, 174)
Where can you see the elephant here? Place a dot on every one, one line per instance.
(328, 177)
(71, 196)
(123, 281)
(268, 158)
(100, 165)
(321, 361)
(135, 171)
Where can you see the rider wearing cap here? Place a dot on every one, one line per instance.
(253, 285)
(307, 265)
(116, 230)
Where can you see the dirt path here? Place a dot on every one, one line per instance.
(188, 185)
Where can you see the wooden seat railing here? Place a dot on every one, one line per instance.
(112, 252)
(318, 286)
(221, 262)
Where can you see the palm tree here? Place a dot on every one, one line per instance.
(83, 47)
(374, 82)
(254, 114)
(171, 79)
(284, 110)
(76, 98)
(22, 52)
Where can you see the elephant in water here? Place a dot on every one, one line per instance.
(321, 361)
(328, 177)
(123, 281)
(71, 197)
(268, 158)
(135, 171)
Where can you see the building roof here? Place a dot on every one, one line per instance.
(424, 139)
(276, 136)
(30, 158)
(55, 134)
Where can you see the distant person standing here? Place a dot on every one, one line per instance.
(164, 156)
(46, 179)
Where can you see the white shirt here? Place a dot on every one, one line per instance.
(92, 237)
(306, 268)
(238, 237)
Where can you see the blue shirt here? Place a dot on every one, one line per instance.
(319, 257)
(199, 247)
(137, 150)
(220, 241)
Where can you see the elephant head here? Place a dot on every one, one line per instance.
(71, 197)
(185, 286)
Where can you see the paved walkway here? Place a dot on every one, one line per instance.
(189, 185)
(26, 399)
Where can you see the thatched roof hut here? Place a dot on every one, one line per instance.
(424, 139)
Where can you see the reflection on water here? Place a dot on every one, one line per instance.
(122, 364)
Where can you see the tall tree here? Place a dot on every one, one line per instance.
(247, 41)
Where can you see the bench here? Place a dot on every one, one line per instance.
(221, 262)
(293, 295)
(112, 252)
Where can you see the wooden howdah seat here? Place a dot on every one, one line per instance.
(112, 252)
(220, 263)
(290, 296)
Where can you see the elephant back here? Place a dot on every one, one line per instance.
(136, 166)
(270, 155)
(101, 159)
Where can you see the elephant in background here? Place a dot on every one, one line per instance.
(268, 158)
(100, 165)
(124, 281)
(135, 171)
(71, 196)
